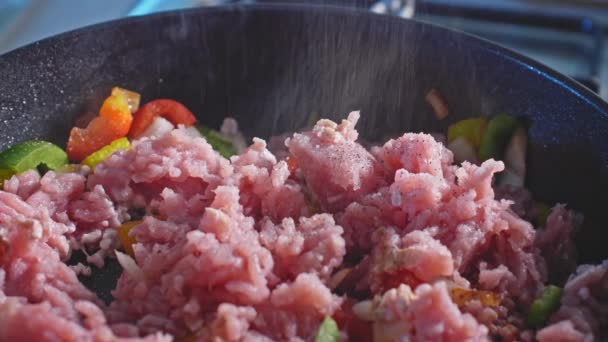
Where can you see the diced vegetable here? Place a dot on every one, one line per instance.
(461, 296)
(171, 110)
(509, 177)
(192, 337)
(497, 135)
(440, 106)
(132, 97)
(30, 155)
(544, 306)
(100, 155)
(470, 129)
(356, 328)
(126, 240)
(71, 168)
(542, 212)
(462, 150)
(439, 137)
(515, 159)
(328, 331)
(218, 141)
(230, 130)
(130, 266)
(364, 310)
(4, 175)
(113, 122)
(193, 132)
(159, 127)
(312, 119)
(338, 277)
(395, 279)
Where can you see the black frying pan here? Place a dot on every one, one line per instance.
(271, 66)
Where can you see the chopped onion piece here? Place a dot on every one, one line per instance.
(515, 154)
(230, 129)
(462, 150)
(130, 266)
(440, 106)
(509, 177)
(439, 137)
(193, 132)
(515, 159)
(159, 127)
(338, 277)
(364, 310)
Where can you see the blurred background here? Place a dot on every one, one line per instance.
(567, 35)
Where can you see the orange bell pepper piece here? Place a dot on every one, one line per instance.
(113, 122)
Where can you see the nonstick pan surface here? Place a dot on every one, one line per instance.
(270, 67)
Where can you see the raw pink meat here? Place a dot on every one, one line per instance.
(52, 192)
(190, 272)
(93, 210)
(23, 184)
(428, 314)
(360, 219)
(296, 309)
(314, 245)
(245, 249)
(265, 189)
(584, 307)
(523, 203)
(185, 164)
(563, 331)
(556, 242)
(456, 205)
(293, 312)
(337, 170)
(417, 254)
(436, 318)
(416, 153)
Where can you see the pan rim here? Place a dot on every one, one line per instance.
(575, 88)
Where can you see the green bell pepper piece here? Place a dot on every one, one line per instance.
(328, 331)
(31, 155)
(544, 306)
(497, 135)
(217, 141)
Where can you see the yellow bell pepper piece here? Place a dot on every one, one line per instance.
(132, 97)
(127, 240)
(471, 130)
(100, 155)
(542, 212)
(5, 174)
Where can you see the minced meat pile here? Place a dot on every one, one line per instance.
(394, 242)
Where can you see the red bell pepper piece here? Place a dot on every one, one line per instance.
(171, 110)
(357, 329)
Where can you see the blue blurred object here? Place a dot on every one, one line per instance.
(143, 7)
(26, 21)
(9, 10)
